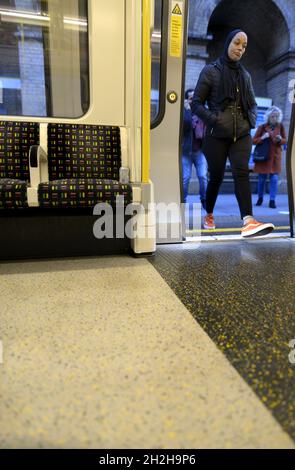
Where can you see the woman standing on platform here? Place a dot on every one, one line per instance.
(274, 130)
(226, 88)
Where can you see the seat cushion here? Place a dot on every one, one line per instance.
(74, 193)
(13, 193)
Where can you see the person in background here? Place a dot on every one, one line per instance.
(193, 134)
(226, 87)
(274, 130)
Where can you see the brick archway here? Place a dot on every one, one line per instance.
(270, 58)
(271, 53)
(267, 57)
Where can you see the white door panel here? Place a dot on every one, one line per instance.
(165, 138)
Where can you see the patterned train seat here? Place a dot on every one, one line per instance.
(83, 164)
(16, 139)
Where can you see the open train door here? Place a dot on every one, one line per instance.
(168, 69)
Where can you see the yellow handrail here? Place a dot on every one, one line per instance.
(146, 89)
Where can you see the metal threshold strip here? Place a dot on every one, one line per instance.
(227, 237)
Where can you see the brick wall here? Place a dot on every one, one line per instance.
(31, 61)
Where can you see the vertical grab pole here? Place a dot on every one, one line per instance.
(146, 89)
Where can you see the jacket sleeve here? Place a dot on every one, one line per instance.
(283, 135)
(252, 113)
(187, 121)
(201, 94)
(253, 102)
(257, 137)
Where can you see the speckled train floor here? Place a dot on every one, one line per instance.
(101, 353)
(243, 295)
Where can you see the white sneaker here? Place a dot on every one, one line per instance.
(209, 222)
(256, 229)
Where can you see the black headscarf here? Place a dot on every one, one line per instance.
(233, 74)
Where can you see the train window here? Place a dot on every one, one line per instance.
(44, 68)
(156, 43)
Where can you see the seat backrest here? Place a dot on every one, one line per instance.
(83, 151)
(16, 139)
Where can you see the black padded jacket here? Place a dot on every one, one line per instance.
(230, 123)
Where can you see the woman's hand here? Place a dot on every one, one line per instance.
(187, 105)
(265, 136)
(278, 139)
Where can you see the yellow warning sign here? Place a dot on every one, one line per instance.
(176, 10)
(176, 29)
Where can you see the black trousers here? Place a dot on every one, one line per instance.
(216, 152)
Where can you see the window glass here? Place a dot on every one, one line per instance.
(44, 58)
(156, 59)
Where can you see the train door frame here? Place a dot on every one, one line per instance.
(290, 161)
(290, 169)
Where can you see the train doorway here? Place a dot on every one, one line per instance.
(207, 30)
(180, 49)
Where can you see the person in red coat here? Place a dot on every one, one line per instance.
(274, 130)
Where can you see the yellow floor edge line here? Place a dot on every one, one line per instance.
(287, 227)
